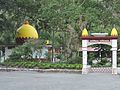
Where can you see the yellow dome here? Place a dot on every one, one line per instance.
(27, 31)
(47, 42)
(84, 32)
(114, 32)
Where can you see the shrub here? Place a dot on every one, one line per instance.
(75, 60)
(29, 64)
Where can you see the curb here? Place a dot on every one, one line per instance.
(41, 70)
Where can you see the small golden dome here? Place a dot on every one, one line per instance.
(114, 32)
(84, 32)
(27, 31)
(47, 42)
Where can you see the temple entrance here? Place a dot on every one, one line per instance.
(99, 39)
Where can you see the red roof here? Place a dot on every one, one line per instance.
(99, 37)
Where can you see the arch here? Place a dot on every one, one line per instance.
(101, 38)
(86, 43)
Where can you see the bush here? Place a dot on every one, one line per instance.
(118, 65)
(103, 62)
(75, 60)
(29, 64)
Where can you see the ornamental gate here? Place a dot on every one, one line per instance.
(99, 38)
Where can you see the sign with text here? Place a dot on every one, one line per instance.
(92, 42)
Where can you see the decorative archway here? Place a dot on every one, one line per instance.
(99, 38)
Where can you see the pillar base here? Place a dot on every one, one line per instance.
(114, 70)
(84, 70)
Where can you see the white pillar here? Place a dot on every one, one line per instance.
(114, 62)
(114, 56)
(84, 56)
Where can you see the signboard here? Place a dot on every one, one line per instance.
(92, 42)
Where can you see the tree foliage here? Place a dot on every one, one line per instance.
(57, 15)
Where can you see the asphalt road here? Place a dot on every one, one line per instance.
(58, 81)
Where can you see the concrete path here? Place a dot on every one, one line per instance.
(58, 81)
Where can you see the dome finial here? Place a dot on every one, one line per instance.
(114, 32)
(84, 32)
(26, 22)
(47, 42)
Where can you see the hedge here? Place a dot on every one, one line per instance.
(39, 65)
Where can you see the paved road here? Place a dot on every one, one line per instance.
(58, 81)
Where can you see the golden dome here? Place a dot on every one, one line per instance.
(27, 31)
(114, 32)
(84, 32)
(47, 42)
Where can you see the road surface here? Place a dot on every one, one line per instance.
(58, 81)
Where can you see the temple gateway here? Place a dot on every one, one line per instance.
(99, 38)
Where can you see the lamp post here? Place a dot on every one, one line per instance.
(53, 34)
(53, 42)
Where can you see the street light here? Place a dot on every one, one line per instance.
(53, 46)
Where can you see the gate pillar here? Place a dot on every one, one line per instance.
(114, 56)
(84, 56)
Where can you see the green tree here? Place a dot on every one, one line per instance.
(49, 15)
